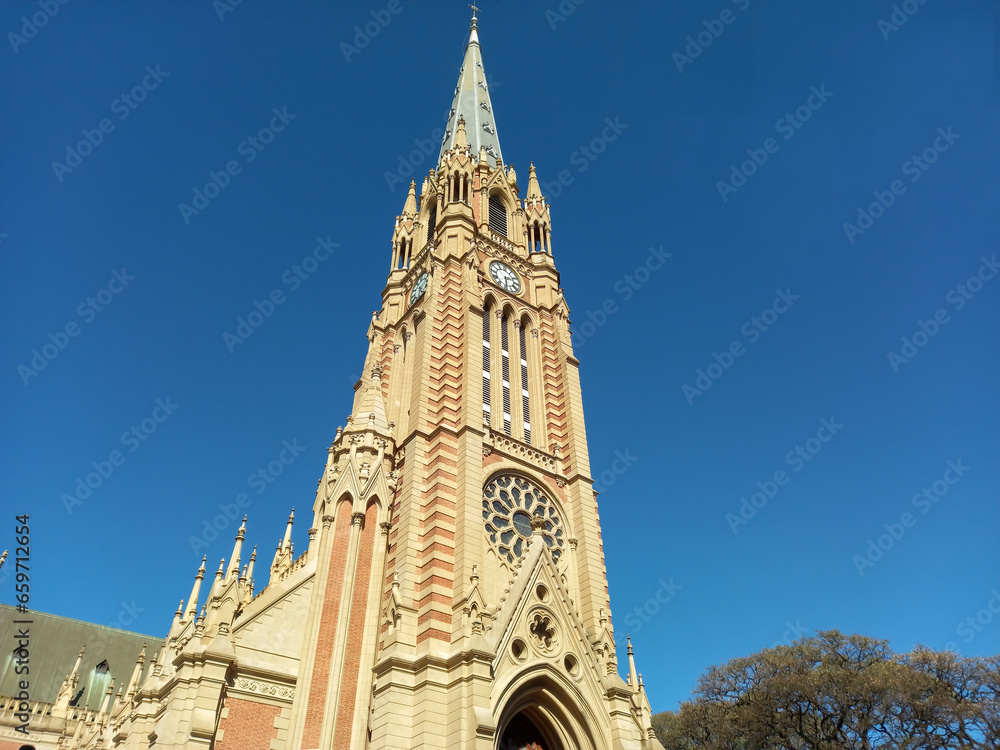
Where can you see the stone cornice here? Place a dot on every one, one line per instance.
(507, 446)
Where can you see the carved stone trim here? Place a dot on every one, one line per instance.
(260, 687)
(516, 449)
(503, 249)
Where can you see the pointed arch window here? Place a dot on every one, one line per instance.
(536, 242)
(486, 364)
(498, 215)
(505, 374)
(525, 406)
(432, 221)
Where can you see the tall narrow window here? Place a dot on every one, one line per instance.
(432, 221)
(505, 374)
(486, 364)
(498, 215)
(525, 411)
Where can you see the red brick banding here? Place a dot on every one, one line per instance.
(247, 725)
(356, 631)
(328, 626)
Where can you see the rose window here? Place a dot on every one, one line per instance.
(516, 510)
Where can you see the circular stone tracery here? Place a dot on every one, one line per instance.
(510, 503)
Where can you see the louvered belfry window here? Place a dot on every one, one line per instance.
(525, 411)
(486, 365)
(498, 215)
(432, 221)
(505, 374)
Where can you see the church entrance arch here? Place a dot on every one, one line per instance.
(542, 714)
(522, 734)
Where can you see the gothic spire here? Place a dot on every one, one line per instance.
(472, 102)
(216, 590)
(234, 561)
(534, 191)
(109, 695)
(253, 556)
(133, 684)
(410, 205)
(371, 407)
(632, 680)
(195, 591)
(286, 543)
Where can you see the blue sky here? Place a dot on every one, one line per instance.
(790, 316)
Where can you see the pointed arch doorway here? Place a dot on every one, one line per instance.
(521, 733)
(543, 711)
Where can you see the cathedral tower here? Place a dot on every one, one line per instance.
(453, 593)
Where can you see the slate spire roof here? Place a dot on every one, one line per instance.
(472, 102)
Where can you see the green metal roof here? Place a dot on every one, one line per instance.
(55, 642)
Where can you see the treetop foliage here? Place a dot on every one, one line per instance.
(833, 691)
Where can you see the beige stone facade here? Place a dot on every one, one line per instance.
(453, 592)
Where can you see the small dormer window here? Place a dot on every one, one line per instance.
(498, 215)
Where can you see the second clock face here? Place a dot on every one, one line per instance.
(505, 277)
(419, 288)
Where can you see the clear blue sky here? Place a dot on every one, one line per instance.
(864, 100)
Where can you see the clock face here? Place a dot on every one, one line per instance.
(505, 277)
(419, 288)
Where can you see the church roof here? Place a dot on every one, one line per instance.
(472, 102)
(55, 642)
